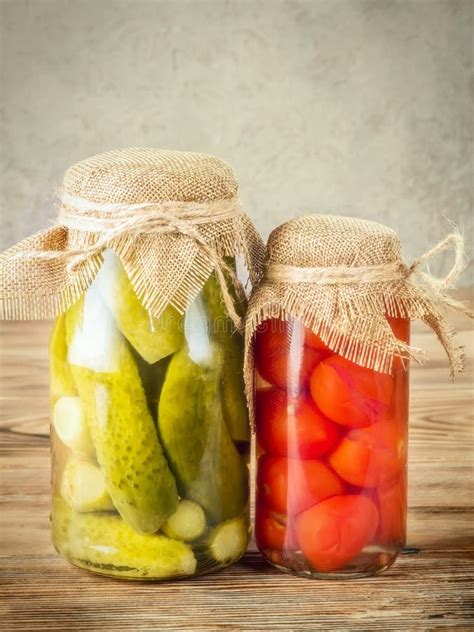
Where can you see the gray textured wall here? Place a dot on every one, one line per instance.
(360, 107)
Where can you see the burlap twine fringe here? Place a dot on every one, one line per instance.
(347, 305)
(168, 248)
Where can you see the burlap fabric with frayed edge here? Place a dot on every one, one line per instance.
(170, 216)
(340, 277)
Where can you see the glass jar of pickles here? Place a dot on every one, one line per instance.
(150, 434)
(327, 354)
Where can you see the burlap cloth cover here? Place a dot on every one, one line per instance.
(341, 276)
(170, 216)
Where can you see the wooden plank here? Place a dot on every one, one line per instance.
(425, 590)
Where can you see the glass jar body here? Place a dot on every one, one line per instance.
(150, 437)
(331, 496)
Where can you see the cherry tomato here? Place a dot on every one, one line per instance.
(289, 486)
(313, 340)
(401, 329)
(336, 530)
(371, 456)
(392, 504)
(349, 394)
(279, 364)
(292, 426)
(271, 530)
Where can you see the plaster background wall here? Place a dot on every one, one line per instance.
(359, 107)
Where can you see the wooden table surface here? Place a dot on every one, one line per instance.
(429, 587)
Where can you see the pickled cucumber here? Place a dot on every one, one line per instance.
(60, 522)
(128, 450)
(233, 390)
(228, 541)
(70, 424)
(152, 377)
(61, 379)
(153, 338)
(105, 542)
(187, 523)
(83, 487)
(201, 454)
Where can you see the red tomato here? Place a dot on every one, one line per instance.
(370, 456)
(392, 503)
(279, 364)
(292, 426)
(289, 486)
(399, 406)
(313, 340)
(336, 530)
(271, 530)
(350, 394)
(401, 329)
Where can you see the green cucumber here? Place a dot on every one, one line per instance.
(128, 450)
(60, 522)
(61, 379)
(187, 523)
(228, 541)
(152, 377)
(153, 338)
(104, 542)
(232, 343)
(201, 454)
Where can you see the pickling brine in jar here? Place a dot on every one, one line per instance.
(331, 455)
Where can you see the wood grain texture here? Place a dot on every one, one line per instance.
(429, 587)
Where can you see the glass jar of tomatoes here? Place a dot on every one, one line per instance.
(326, 369)
(332, 455)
